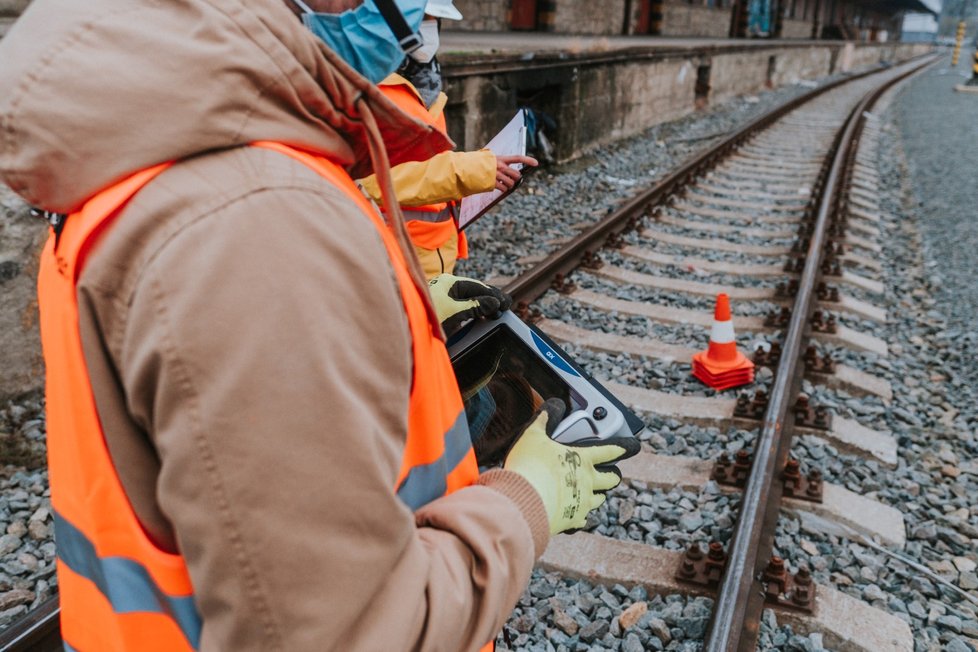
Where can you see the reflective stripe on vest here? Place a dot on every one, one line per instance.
(433, 229)
(442, 215)
(118, 591)
(425, 482)
(124, 582)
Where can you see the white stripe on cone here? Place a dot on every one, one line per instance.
(722, 332)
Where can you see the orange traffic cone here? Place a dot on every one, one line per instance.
(722, 366)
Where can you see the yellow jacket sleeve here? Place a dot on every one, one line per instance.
(448, 176)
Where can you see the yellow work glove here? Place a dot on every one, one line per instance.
(571, 479)
(458, 299)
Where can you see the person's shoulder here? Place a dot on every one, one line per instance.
(199, 202)
(243, 170)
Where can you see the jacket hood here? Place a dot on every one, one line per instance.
(93, 91)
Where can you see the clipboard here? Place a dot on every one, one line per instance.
(511, 140)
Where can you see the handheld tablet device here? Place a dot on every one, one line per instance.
(506, 369)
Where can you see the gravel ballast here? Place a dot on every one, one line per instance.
(555, 203)
(929, 298)
(933, 415)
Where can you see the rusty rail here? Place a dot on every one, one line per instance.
(38, 631)
(736, 615)
(533, 283)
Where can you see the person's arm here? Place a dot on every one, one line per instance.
(267, 355)
(448, 176)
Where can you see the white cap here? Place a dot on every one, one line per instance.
(442, 9)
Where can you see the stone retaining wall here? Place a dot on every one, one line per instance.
(599, 97)
(597, 17)
(683, 19)
(480, 16)
(792, 28)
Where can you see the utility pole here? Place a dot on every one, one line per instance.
(974, 68)
(957, 44)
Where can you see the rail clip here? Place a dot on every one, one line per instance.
(527, 314)
(563, 284)
(591, 260)
(751, 407)
(824, 322)
(812, 416)
(778, 318)
(735, 473)
(828, 293)
(768, 358)
(702, 570)
(795, 592)
(818, 364)
(799, 486)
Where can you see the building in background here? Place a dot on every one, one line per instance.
(952, 13)
(919, 28)
(852, 20)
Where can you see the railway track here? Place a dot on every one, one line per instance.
(780, 215)
(783, 218)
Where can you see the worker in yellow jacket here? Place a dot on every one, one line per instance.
(427, 190)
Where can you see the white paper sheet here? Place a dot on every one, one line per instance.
(508, 142)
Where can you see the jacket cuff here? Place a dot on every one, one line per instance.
(520, 491)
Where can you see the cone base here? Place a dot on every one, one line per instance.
(726, 378)
(724, 385)
(739, 363)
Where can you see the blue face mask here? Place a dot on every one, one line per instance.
(363, 37)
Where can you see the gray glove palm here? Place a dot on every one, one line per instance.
(458, 299)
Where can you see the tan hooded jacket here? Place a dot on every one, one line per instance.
(243, 330)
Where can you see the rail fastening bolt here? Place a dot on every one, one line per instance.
(716, 551)
(791, 470)
(814, 482)
(802, 593)
(775, 566)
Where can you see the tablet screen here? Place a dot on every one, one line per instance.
(503, 382)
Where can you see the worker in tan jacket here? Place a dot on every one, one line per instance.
(232, 336)
(428, 191)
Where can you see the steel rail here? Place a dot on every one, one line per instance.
(534, 282)
(38, 631)
(740, 600)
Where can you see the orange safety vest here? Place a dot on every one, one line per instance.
(433, 225)
(118, 590)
